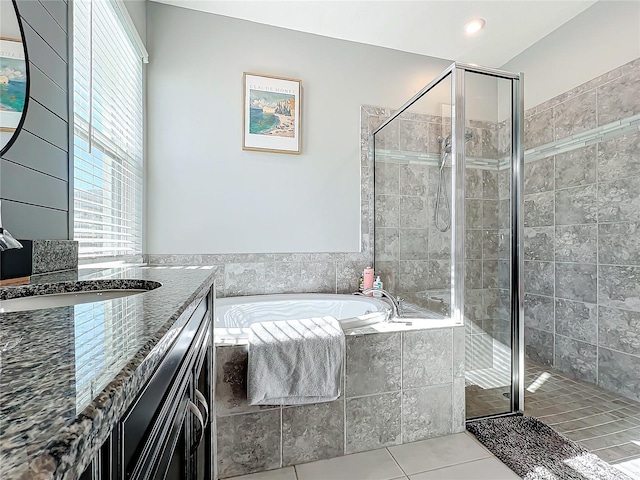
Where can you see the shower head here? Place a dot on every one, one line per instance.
(446, 142)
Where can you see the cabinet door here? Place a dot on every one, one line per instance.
(203, 387)
(101, 466)
(167, 433)
(174, 461)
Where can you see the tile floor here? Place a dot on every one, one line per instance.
(453, 457)
(605, 423)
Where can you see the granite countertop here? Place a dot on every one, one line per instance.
(67, 374)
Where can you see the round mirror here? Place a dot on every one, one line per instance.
(14, 74)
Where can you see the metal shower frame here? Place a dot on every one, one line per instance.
(458, 155)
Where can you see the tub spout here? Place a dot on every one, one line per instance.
(396, 302)
(7, 241)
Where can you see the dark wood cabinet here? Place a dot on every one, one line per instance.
(166, 434)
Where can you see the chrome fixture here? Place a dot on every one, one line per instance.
(442, 196)
(396, 302)
(447, 143)
(7, 241)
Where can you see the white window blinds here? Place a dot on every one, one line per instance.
(108, 132)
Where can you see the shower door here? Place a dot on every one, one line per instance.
(493, 239)
(448, 221)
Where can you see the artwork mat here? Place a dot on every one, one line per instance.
(265, 143)
(11, 48)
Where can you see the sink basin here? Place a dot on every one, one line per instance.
(38, 302)
(37, 297)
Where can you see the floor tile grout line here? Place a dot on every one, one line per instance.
(608, 446)
(473, 437)
(559, 395)
(560, 424)
(491, 456)
(597, 426)
(608, 434)
(572, 394)
(533, 412)
(620, 460)
(396, 462)
(605, 448)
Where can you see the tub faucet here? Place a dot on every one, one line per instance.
(396, 303)
(6, 239)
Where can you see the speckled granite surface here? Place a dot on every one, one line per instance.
(67, 374)
(54, 255)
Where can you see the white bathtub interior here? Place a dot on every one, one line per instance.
(357, 314)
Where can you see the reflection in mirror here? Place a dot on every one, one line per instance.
(14, 85)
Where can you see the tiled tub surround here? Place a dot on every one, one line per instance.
(582, 237)
(399, 387)
(69, 373)
(265, 273)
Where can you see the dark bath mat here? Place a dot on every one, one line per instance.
(535, 451)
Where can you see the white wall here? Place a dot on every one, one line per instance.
(206, 195)
(137, 10)
(600, 39)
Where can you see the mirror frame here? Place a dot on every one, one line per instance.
(16, 133)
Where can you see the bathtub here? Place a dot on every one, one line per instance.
(234, 315)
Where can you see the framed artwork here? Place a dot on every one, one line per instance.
(13, 83)
(271, 117)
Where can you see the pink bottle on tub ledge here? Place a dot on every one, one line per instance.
(368, 279)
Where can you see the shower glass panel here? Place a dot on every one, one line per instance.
(412, 253)
(487, 297)
(448, 221)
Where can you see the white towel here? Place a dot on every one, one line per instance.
(294, 362)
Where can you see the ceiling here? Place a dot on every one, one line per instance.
(433, 28)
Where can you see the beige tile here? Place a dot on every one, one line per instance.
(630, 467)
(485, 469)
(613, 439)
(437, 453)
(626, 451)
(373, 465)
(280, 474)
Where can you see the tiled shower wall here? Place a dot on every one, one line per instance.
(411, 255)
(264, 273)
(482, 241)
(582, 236)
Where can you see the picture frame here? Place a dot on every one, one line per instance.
(271, 119)
(13, 83)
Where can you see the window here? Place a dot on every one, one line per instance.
(108, 130)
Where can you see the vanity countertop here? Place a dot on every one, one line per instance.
(67, 374)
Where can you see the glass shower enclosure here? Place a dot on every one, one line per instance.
(449, 221)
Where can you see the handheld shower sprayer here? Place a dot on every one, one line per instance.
(442, 210)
